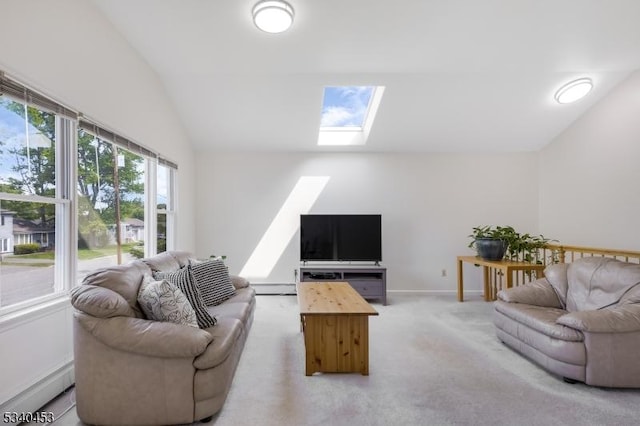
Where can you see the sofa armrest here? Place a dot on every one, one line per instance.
(618, 319)
(146, 337)
(537, 293)
(239, 282)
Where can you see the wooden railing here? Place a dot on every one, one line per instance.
(556, 253)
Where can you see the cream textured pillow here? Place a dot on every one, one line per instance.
(164, 301)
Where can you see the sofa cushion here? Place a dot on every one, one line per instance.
(598, 282)
(631, 296)
(183, 278)
(538, 293)
(556, 275)
(213, 281)
(164, 301)
(240, 311)
(182, 257)
(243, 295)
(622, 318)
(239, 282)
(164, 262)
(563, 357)
(225, 335)
(123, 279)
(541, 319)
(100, 302)
(141, 336)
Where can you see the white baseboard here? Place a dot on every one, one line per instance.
(290, 289)
(35, 397)
(430, 292)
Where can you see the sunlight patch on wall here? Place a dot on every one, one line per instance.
(284, 226)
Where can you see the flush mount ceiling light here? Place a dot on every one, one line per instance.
(273, 16)
(573, 90)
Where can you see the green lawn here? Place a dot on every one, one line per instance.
(83, 254)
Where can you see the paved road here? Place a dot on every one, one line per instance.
(18, 283)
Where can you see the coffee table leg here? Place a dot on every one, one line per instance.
(364, 345)
(310, 329)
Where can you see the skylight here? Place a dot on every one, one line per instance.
(348, 113)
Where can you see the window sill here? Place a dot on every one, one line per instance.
(33, 312)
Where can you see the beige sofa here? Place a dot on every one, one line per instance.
(581, 322)
(134, 371)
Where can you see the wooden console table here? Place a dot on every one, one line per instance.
(506, 266)
(335, 323)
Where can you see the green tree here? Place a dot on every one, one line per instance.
(96, 190)
(34, 168)
(34, 163)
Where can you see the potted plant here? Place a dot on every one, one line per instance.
(496, 242)
(490, 242)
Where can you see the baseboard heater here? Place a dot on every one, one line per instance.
(36, 396)
(274, 288)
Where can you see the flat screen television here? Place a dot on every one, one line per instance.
(341, 237)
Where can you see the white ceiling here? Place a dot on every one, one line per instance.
(460, 75)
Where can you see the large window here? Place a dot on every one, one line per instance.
(73, 197)
(110, 203)
(165, 208)
(28, 202)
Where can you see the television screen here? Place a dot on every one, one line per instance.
(342, 237)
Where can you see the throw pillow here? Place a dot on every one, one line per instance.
(163, 301)
(183, 278)
(213, 281)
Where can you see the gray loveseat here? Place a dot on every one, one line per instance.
(135, 371)
(581, 322)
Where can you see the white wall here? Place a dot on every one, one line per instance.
(429, 203)
(70, 52)
(590, 175)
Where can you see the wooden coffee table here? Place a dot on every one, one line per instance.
(335, 323)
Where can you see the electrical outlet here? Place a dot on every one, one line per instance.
(444, 272)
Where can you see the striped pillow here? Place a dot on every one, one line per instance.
(213, 281)
(183, 278)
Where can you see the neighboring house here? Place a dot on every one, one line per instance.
(33, 232)
(131, 231)
(15, 231)
(6, 231)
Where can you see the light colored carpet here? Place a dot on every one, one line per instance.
(433, 361)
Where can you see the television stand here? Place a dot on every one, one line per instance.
(369, 281)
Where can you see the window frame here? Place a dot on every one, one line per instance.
(170, 211)
(64, 205)
(65, 200)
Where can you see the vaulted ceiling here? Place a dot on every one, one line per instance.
(459, 75)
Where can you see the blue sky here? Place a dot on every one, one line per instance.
(12, 134)
(345, 106)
